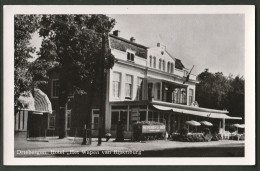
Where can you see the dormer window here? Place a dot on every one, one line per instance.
(130, 56)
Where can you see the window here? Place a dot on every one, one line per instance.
(158, 91)
(160, 64)
(55, 88)
(176, 95)
(154, 62)
(118, 116)
(128, 86)
(183, 96)
(51, 121)
(95, 119)
(151, 61)
(190, 96)
(153, 116)
(168, 67)
(116, 84)
(171, 67)
(163, 65)
(142, 115)
(165, 90)
(139, 88)
(130, 56)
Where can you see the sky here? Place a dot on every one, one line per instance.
(212, 41)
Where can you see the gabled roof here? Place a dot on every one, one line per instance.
(178, 63)
(124, 44)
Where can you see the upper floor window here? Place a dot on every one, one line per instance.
(183, 96)
(128, 86)
(154, 62)
(190, 96)
(116, 84)
(130, 56)
(139, 88)
(163, 63)
(160, 64)
(151, 61)
(168, 67)
(158, 91)
(55, 88)
(172, 67)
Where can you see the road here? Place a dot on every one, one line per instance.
(161, 148)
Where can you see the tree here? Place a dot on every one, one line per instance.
(72, 44)
(212, 90)
(219, 92)
(236, 96)
(24, 26)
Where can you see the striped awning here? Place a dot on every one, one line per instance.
(198, 113)
(38, 104)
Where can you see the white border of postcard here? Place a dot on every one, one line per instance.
(248, 11)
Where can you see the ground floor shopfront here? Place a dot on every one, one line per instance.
(173, 116)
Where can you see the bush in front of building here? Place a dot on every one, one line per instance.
(240, 137)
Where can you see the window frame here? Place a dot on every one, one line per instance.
(52, 88)
(119, 85)
(154, 62)
(92, 118)
(163, 62)
(53, 115)
(160, 64)
(139, 96)
(191, 94)
(131, 86)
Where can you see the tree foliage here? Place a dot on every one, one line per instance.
(72, 47)
(24, 26)
(219, 92)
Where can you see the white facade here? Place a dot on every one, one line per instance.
(129, 80)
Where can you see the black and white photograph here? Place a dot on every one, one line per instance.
(131, 84)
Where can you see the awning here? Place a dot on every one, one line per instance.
(206, 123)
(193, 123)
(38, 104)
(197, 113)
(239, 125)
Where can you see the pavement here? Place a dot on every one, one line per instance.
(71, 147)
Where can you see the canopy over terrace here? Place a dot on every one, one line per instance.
(197, 111)
(207, 114)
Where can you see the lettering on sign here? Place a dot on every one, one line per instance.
(153, 128)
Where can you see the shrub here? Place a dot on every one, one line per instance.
(184, 132)
(215, 129)
(206, 131)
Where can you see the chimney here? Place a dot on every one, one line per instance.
(158, 44)
(116, 33)
(132, 39)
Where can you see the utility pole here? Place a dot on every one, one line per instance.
(102, 91)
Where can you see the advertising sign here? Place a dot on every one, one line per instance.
(153, 128)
